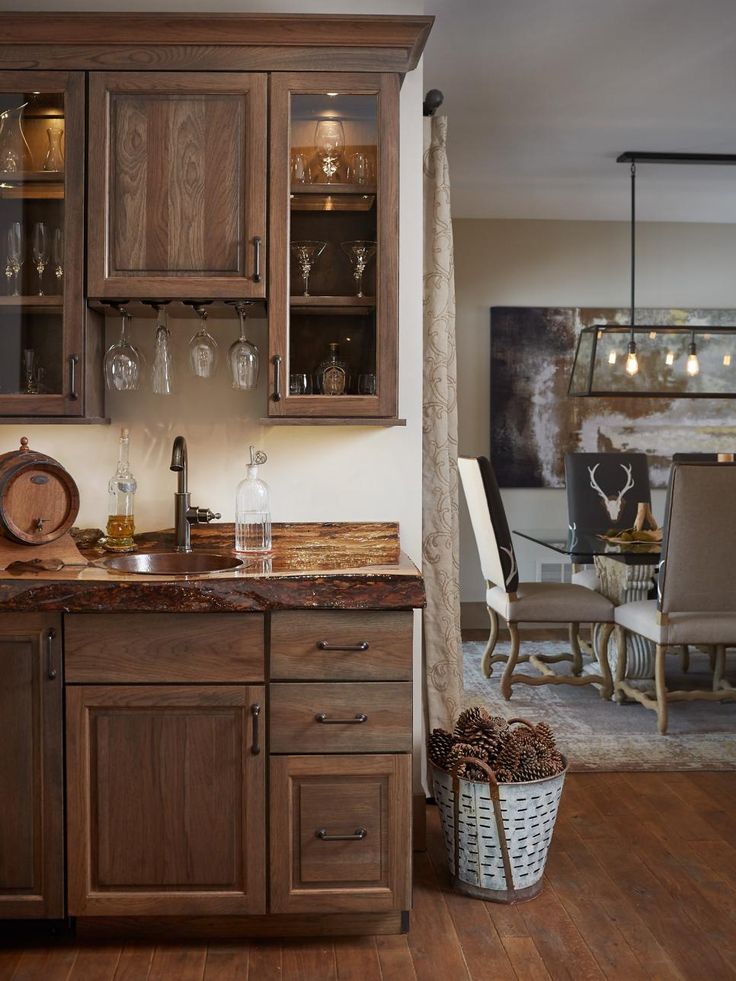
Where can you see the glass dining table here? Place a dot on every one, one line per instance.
(625, 572)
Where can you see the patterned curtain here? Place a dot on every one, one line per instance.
(442, 646)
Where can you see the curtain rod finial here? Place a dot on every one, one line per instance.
(432, 101)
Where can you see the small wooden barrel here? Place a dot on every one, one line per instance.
(39, 500)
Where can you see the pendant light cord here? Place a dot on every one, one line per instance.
(633, 248)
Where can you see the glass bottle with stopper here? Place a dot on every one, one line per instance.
(121, 497)
(332, 373)
(253, 509)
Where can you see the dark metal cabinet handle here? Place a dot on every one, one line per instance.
(360, 834)
(255, 711)
(276, 361)
(257, 259)
(50, 669)
(73, 362)
(324, 645)
(355, 721)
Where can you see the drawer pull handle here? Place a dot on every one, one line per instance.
(355, 721)
(257, 259)
(255, 711)
(325, 645)
(50, 669)
(359, 835)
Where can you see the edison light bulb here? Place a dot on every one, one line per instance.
(693, 365)
(632, 362)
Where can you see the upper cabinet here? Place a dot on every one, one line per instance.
(333, 287)
(42, 312)
(177, 185)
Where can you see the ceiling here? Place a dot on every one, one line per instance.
(542, 95)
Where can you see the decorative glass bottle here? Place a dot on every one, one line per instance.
(54, 159)
(121, 497)
(332, 374)
(253, 509)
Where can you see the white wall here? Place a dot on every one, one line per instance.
(565, 263)
(320, 473)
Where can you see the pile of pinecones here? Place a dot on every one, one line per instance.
(515, 752)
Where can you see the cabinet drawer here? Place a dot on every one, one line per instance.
(340, 833)
(341, 718)
(341, 645)
(104, 648)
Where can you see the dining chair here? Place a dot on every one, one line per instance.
(697, 586)
(603, 493)
(527, 602)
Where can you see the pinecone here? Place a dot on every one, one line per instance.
(469, 722)
(483, 731)
(439, 745)
(466, 771)
(545, 735)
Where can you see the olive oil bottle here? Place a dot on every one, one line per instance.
(121, 502)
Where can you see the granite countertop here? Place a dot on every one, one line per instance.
(323, 566)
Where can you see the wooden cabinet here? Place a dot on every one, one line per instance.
(177, 185)
(31, 767)
(340, 833)
(333, 219)
(49, 341)
(165, 799)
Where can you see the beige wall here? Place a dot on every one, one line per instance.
(565, 263)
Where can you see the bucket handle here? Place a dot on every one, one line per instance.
(496, 799)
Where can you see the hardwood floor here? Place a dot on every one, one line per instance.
(640, 884)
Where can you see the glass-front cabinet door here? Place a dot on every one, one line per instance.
(333, 288)
(41, 244)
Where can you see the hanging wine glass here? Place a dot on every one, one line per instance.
(202, 347)
(40, 251)
(162, 370)
(123, 361)
(14, 260)
(243, 355)
(329, 142)
(306, 254)
(360, 254)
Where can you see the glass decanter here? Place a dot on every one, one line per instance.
(203, 348)
(243, 355)
(54, 159)
(121, 490)
(15, 154)
(332, 373)
(253, 509)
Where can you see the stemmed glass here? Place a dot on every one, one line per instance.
(243, 354)
(57, 254)
(162, 371)
(15, 256)
(329, 142)
(306, 254)
(360, 254)
(40, 251)
(202, 347)
(123, 361)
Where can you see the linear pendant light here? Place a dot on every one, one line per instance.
(669, 366)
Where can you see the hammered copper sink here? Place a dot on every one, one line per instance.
(171, 563)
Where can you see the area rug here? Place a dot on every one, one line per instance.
(598, 735)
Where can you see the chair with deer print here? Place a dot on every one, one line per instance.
(527, 602)
(603, 493)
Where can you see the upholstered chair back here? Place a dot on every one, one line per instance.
(604, 489)
(698, 571)
(490, 527)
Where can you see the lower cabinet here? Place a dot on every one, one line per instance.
(340, 833)
(31, 767)
(166, 800)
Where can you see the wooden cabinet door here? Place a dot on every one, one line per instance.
(177, 189)
(340, 833)
(31, 767)
(165, 791)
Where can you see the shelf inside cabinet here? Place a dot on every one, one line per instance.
(47, 302)
(33, 184)
(332, 197)
(351, 305)
(336, 188)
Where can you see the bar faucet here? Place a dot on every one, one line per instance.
(185, 515)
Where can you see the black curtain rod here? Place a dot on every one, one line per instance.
(432, 101)
(638, 156)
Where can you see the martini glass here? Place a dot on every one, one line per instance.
(243, 355)
(360, 254)
(306, 254)
(123, 361)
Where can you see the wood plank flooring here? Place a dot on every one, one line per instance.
(640, 884)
